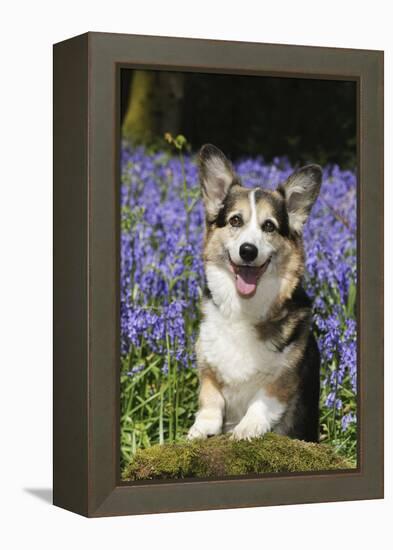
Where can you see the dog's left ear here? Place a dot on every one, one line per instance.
(301, 191)
(217, 176)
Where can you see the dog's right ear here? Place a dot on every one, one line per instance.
(217, 176)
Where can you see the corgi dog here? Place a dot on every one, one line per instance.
(258, 360)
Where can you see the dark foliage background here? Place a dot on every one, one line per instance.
(303, 119)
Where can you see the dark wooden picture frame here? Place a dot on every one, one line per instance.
(86, 273)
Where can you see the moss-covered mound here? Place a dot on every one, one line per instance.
(220, 456)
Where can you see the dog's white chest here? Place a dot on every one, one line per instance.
(233, 349)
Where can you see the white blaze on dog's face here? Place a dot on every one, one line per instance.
(253, 234)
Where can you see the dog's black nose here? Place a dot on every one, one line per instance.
(248, 252)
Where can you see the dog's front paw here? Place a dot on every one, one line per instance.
(195, 433)
(204, 426)
(248, 428)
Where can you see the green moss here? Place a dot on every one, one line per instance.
(220, 456)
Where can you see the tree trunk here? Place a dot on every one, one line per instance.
(155, 106)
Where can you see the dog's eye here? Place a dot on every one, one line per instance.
(268, 226)
(236, 221)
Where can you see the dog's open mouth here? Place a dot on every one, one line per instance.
(247, 277)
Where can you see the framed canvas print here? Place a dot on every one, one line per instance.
(218, 274)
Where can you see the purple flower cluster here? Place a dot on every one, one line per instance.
(161, 267)
(162, 270)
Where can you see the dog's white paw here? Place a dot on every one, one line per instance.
(248, 428)
(195, 433)
(205, 426)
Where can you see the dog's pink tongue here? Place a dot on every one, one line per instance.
(246, 280)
